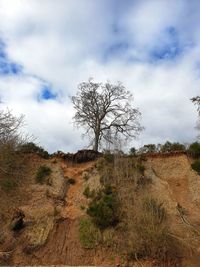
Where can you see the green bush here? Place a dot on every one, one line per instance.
(89, 234)
(132, 151)
(88, 193)
(33, 148)
(150, 148)
(194, 149)
(42, 174)
(169, 147)
(196, 166)
(103, 209)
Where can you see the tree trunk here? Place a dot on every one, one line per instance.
(96, 142)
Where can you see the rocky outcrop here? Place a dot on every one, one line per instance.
(37, 233)
(81, 156)
(86, 155)
(58, 189)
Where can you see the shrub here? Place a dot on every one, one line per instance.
(149, 236)
(140, 168)
(88, 193)
(86, 176)
(132, 151)
(109, 157)
(169, 147)
(150, 148)
(194, 149)
(143, 181)
(108, 189)
(103, 209)
(89, 234)
(42, 173)
(196, 166)
(108, 237)
(71, 181)
(82, 207)
(8, 184)
(33, 148)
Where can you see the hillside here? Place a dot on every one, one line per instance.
(52, 213)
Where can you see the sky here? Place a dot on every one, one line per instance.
(48, 47)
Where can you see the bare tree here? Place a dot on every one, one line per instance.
(10, 128)
(11, 139)
(105, 111)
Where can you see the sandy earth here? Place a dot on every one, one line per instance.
(173, 182)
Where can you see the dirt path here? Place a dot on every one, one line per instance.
(75, 197)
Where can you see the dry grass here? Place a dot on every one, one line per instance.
(149, 235)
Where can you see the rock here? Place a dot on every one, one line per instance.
(37, 234)
(34, 213)
(59, 186)
(80, 156)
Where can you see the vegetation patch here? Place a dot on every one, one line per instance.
(8, 184)
(43, 174)
(196, 166)
(194, 149)
(149, 235)
(31, 147)
(103, 208)
(142, 181)
(88, 193)
(89, 234)
(141, 168)
(86, 176)
(108, 237)
(109, 157)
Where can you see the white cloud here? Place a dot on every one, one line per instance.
(63, 43)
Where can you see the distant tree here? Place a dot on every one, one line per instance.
(150, 148)
(31, 147)
(168, 147)
(132, 151)
(10, 128)
(105, 111)
(194, 149)
(11, 138)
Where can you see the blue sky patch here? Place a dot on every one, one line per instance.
(170, 49)
(47, 94)
(7, 67)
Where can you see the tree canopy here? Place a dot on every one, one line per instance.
(106, 112)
